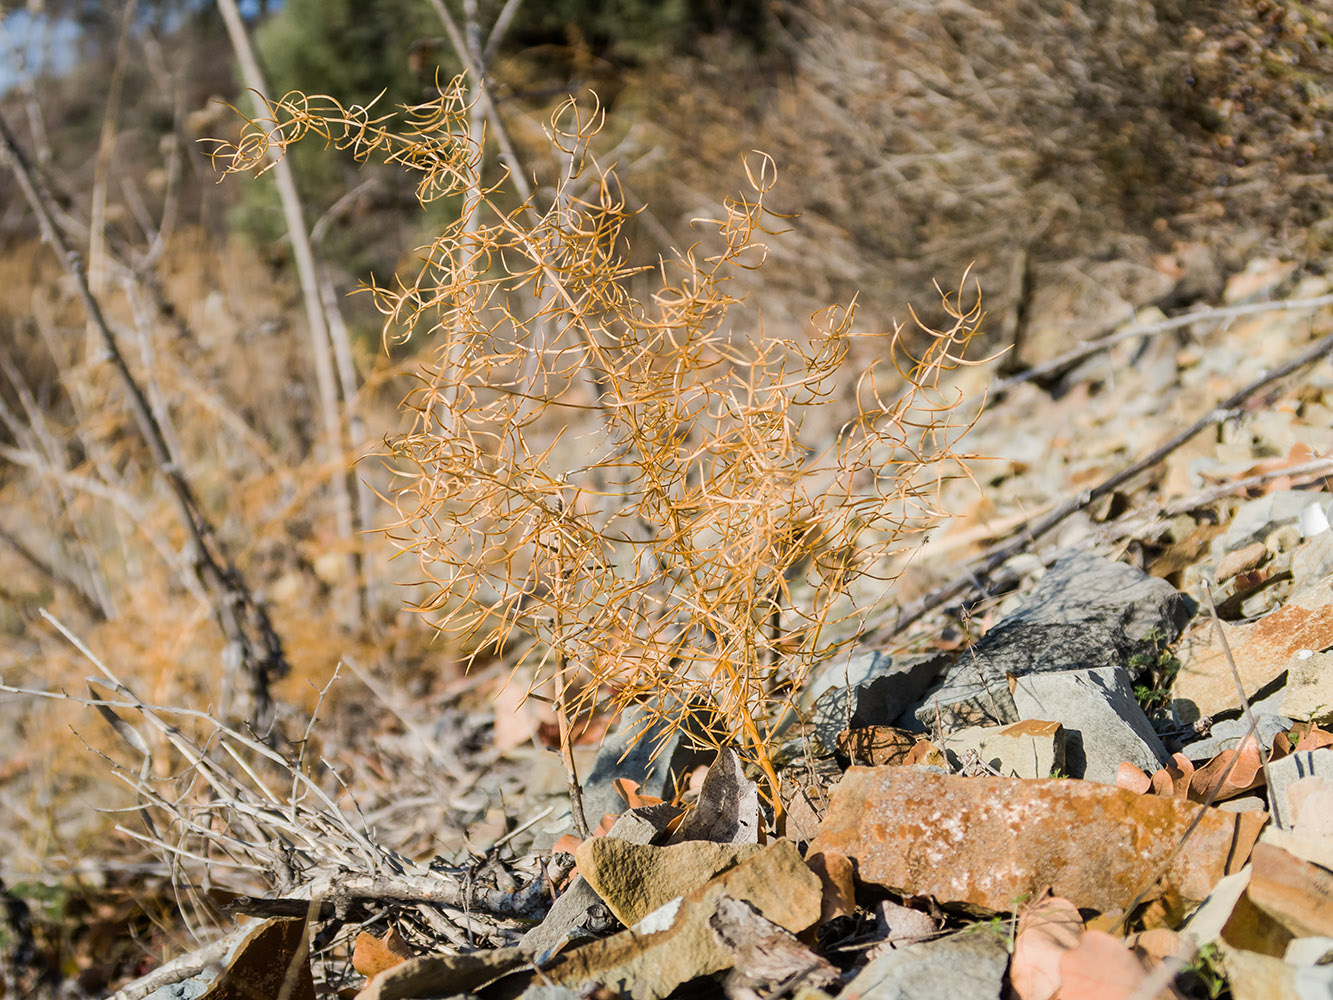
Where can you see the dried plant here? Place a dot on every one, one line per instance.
(611, 469)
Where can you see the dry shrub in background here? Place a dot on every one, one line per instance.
(605, 472)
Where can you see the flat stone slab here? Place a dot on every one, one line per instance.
(1284, 773)
(1030, 749)
(676, 943)
(988, 843)
(1104, 725)
(971, 964)
(635, 879)
(1262, 651)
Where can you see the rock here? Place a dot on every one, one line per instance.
(990, 842)
(431, 975)
(899, 926)
(635, 879)
(268, 962)
(676, 944)
(970, 964)
(1294, 892)
(1255, 976)
(1284, 773)
(867, 689)
(570, 912)
(644, 750)
(1250, 557)
(764, 956)
(1030, 749)
(1308, 693)
(1262, 650)
(727, 811)
(1087, 612)
(1104, 725)
(1313, 559)
(1256, 520)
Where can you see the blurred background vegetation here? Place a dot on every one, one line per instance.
(1085, 159)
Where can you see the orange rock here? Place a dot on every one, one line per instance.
(993, 842)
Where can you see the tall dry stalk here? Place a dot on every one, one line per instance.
(611, 470)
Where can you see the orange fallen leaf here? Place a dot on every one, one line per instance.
(1046, 931)
(1103, 968)
(372, 955)
(1312, 738)
(628, 789)
(1214, 781)
(1132, 779)
(1174, 779)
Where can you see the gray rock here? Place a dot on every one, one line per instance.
(1086, 613)
(186, 989)
(1104, 725)
(629, 753)
(1308, 694)
(971, 964)
(1284, 773)
(868, 689)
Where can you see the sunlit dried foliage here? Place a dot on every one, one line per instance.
(607, 470)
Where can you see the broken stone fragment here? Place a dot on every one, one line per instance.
(1285, 772)
(1261, 650)
(1308, 693)
(677, 944)
(569, 914)
(988, 843)
(970, 964)
(1029, 749)
(1087, 612)
(645, 749)
(635, 879)
(1104, 725)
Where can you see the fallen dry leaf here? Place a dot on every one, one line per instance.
(1312, 737)
(372, 955)
(1046, 930)
(1101, 967)
(1213, 782)
(628, 789)
(875, 746)
(1132, 779)
(990, 841)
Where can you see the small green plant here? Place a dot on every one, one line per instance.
(1154, 671)
(609, 472)
(1206, 975)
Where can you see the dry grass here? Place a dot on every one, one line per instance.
(606, 469)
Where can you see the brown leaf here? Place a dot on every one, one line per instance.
(877, 745)
(1103, 968)
(1132, 779)
(628, 789)
(372, 955)
(1214, 780)
(1046, 931)
(1312, 737)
